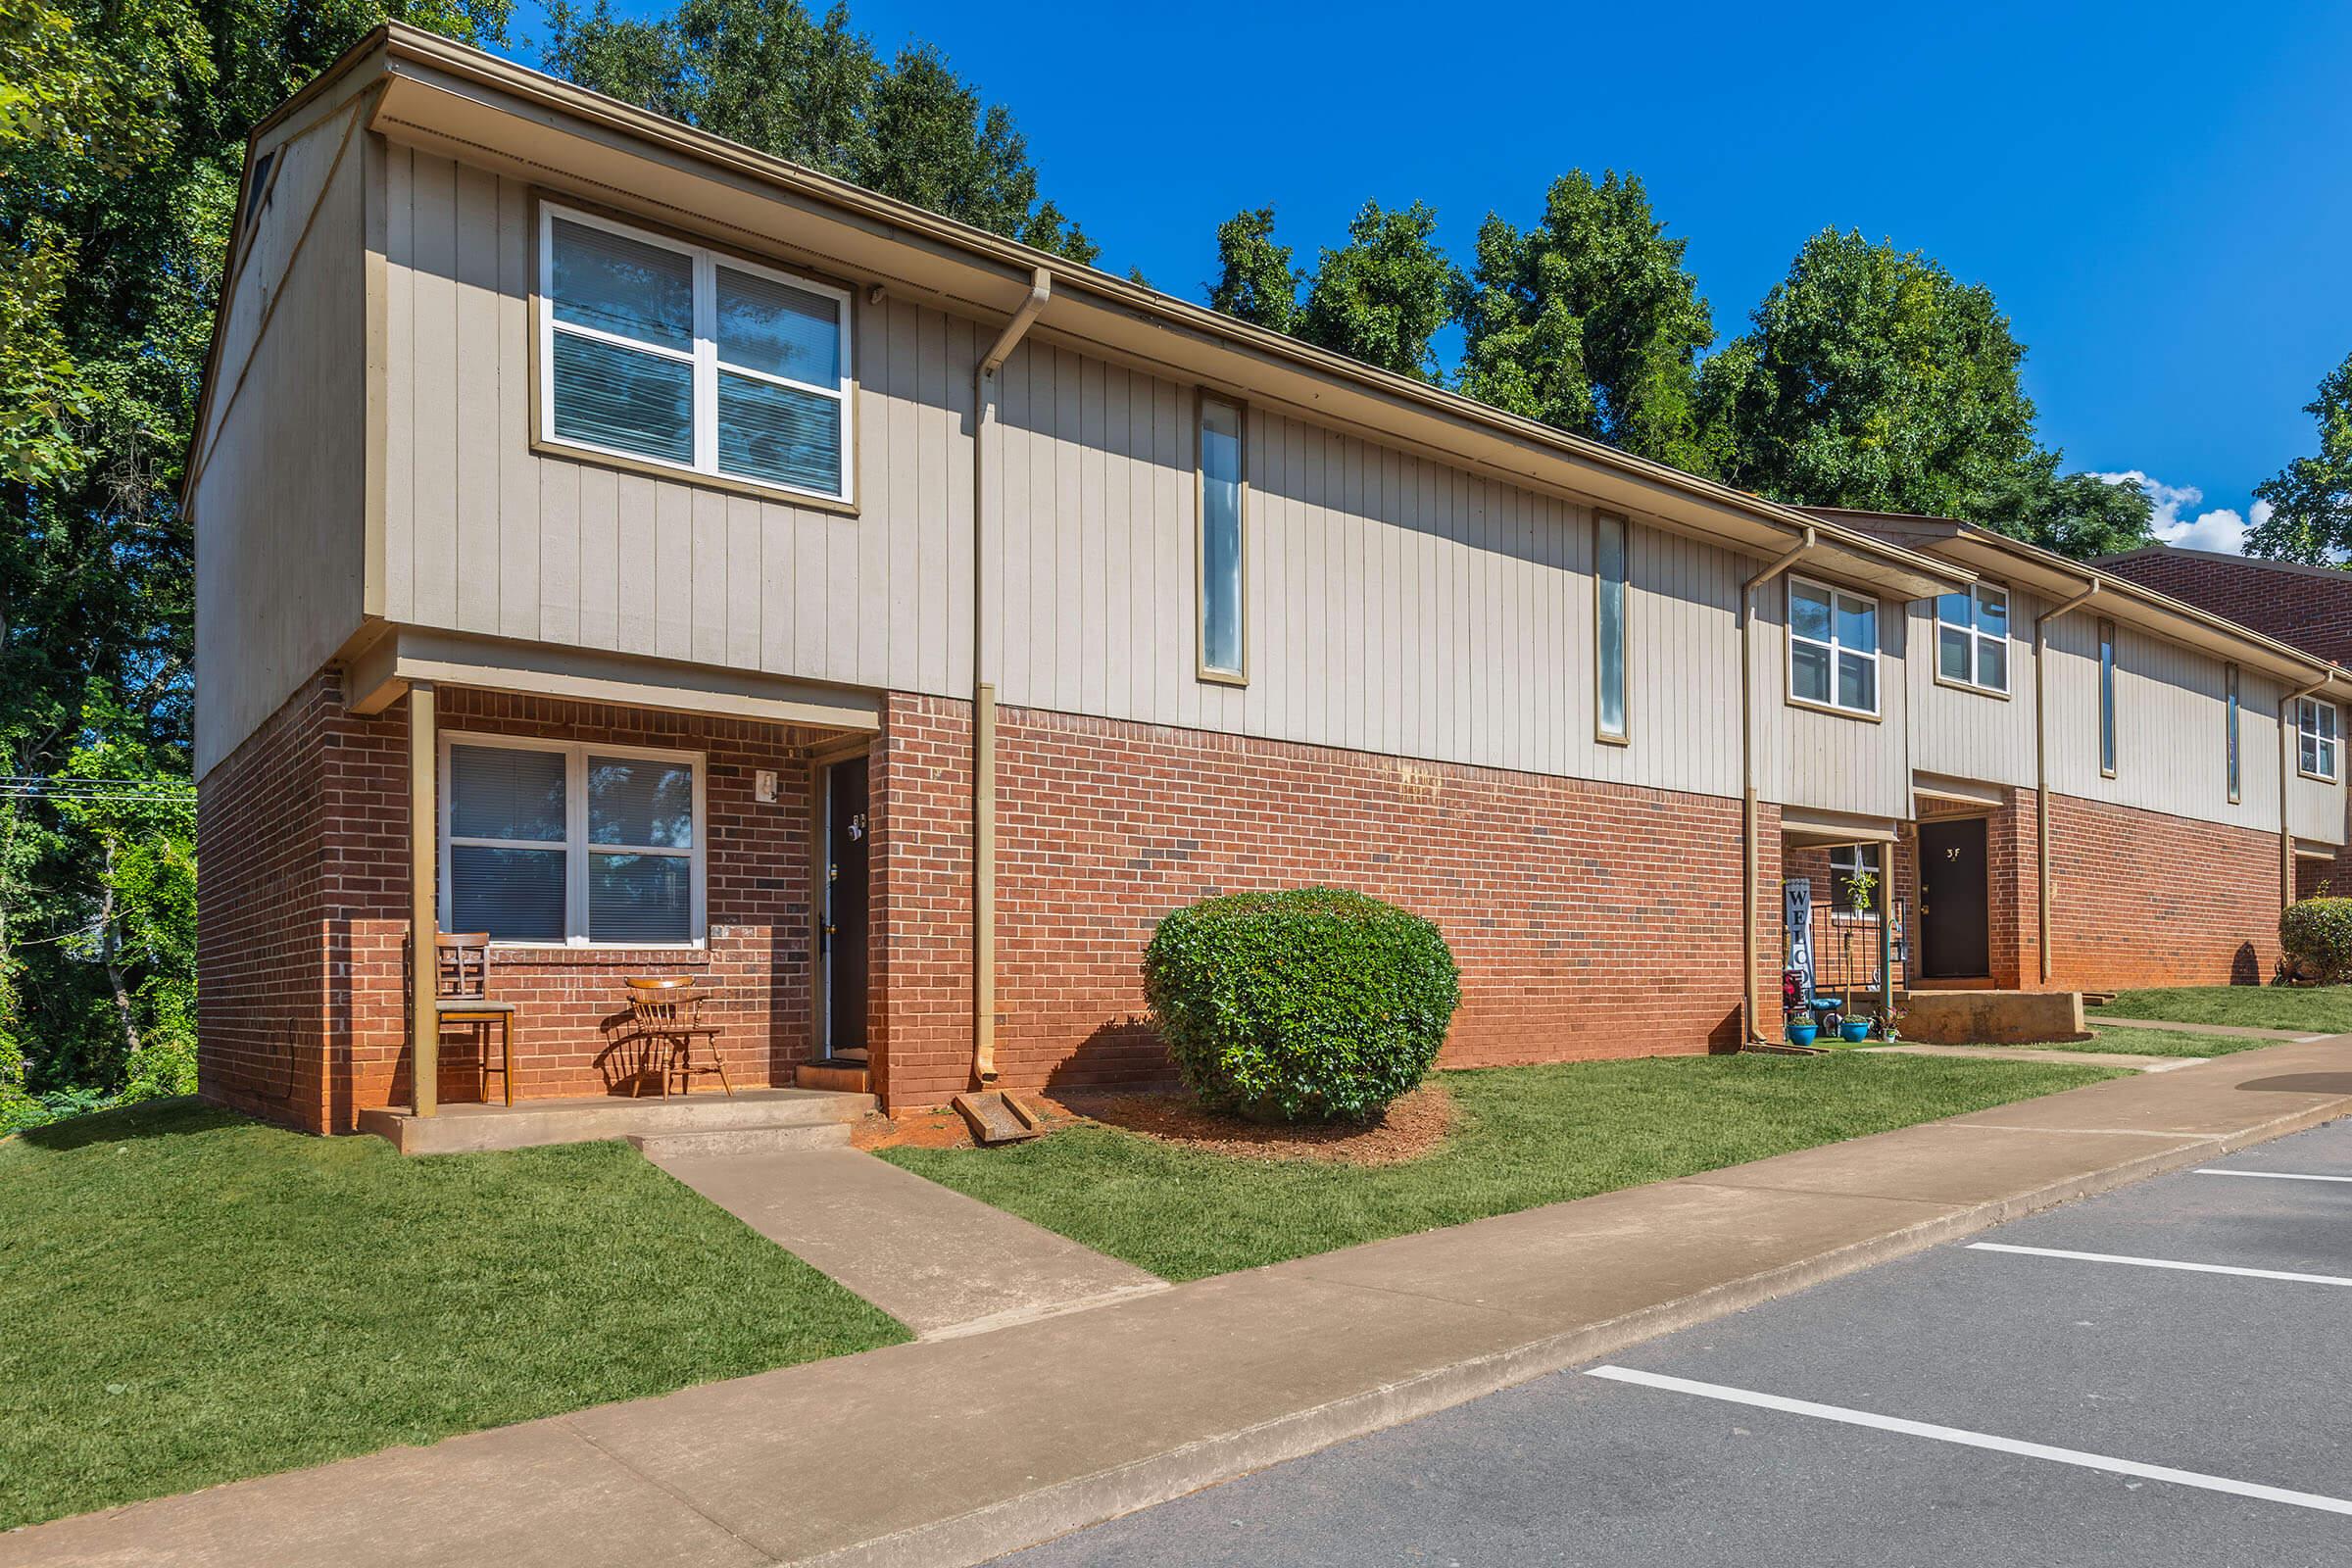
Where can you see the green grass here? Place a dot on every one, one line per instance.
(191, 1298)
(1532, 1135)
(2313, 1009)
(2158, 1042)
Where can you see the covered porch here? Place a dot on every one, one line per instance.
(578, 821)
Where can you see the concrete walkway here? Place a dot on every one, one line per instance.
(2301, 1037)
(2058, 1055)
(938, 1261)
(953, 1450)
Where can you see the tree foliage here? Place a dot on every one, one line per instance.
(2311, 498)
(769, 75)
(1385, 295)
(1589, 320)
(1255, 280)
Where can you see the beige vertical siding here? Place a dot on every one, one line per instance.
(1831, 761)
(1969, 734)
(280, 502)
(484, 535)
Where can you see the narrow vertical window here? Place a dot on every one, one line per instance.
(2107, 698)
(1608, 624)
(2232, 733)
(1222, 501)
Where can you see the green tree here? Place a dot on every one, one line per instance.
(1590, 320)
(2311, 498)
(772, 76)
(1384, 296)
(1872, 378)
(2079, 515)
(1256, 281)
(122, 125)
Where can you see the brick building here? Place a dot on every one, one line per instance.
(670, 561)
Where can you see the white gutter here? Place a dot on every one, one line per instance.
(2041, 763)
(1750, 871)
(984, 691)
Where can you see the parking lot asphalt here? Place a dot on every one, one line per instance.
(2059, 1390)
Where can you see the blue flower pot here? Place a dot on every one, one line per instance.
(1854, 1031)
(1803, 1034)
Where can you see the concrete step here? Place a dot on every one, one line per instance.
(742, 1141)
(472, 1128)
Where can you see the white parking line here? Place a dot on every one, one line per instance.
(2162, 1263)
(2270, 1175)
(1976, 1440)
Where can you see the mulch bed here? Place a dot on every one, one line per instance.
(1414, 1126)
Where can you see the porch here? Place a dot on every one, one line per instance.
(751, 1120)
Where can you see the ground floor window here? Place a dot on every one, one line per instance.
(571, 844)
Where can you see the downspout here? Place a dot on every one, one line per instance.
(2041, 766)
(984, 692)
(1750, 871)
(2288, 764)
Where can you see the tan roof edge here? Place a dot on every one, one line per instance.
(398, 41)
(2110, 583)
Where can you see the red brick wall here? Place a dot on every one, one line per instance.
(2307, 607)
(2142, 899)
(303, 834)
(1589, 919)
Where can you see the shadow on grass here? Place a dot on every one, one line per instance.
(174, 1117)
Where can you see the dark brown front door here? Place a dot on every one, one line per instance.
(1955, 942)
(843, 933)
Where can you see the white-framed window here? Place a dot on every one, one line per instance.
(1832, 646)
(2315, 739)
(675, 355)
(2107, 699)
(2230, 725)
(1972, 638)
(545, 843)
(1224, 515)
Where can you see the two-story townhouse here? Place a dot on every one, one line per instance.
(670, 560)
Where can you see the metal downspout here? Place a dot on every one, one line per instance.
(2042, 765)
(984, 691)
(2289, 765)
(1750, 871)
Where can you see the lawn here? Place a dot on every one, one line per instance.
(191, 1298)
(1531, 1135)
(2158, 1042)
(2313, 1009)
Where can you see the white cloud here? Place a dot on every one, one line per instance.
(2222, 528)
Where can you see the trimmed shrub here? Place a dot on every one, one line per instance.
(2316, 934)
(1310, 1005)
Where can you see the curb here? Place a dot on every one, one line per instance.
(981, 1535)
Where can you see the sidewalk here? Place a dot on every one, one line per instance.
(953, 1450)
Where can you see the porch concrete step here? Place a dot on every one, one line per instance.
(475, 1128)
(742, 1141)
(842, 1077)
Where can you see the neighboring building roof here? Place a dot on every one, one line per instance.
(431, 91)
(2187, 619)
(2307, 607)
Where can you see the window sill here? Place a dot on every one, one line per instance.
(1221, 678)
(1859, 715)
(1972, 687)
(519, 954)
(588, 457)
(2316, 778)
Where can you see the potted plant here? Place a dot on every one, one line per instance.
(1801, 1029)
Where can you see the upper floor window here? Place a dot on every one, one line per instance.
(2229, 721)
(1223, 499)
(1608, 626)
(1832, 646)
(674, 354)
(1972, 638)
(544, 843)
(2315, 739)
(2107, 698)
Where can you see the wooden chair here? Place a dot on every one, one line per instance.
(461, 995)
(668, 1012)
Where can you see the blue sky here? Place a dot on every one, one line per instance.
(2160, 195)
